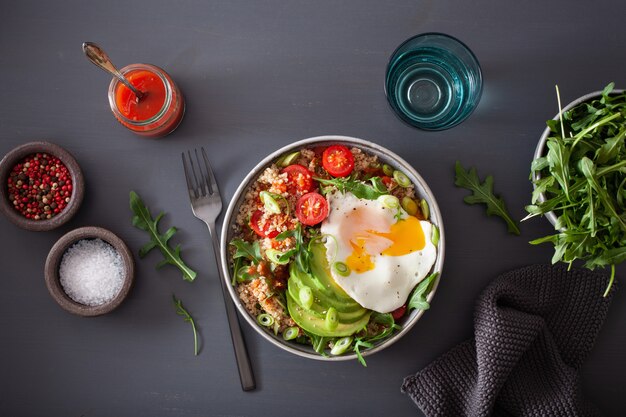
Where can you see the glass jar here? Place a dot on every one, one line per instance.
(156, 115)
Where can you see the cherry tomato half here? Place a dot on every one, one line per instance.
(261, 229)
(300, 179)
(311, 209)
(338, 161)
(398, 313)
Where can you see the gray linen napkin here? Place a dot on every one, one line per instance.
(533, 328)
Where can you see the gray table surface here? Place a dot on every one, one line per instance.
(258, 75)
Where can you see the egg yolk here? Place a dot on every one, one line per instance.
(406, 236)
(359, 260)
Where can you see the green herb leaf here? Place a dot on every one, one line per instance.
(386, 319)
(142, 219)
(181, 311)
(357, 349)
(247, 250)
(483, 193)
(417, 300)
(300, 250)
(358, 188)
(319, 342)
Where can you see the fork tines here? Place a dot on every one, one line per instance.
(206, 185)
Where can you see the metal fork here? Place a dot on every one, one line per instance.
(206, 205)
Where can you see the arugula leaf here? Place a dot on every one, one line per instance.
(319, 342)
(358, 188)
(386, 319)
(358, 343)
(417, 300)
(483, 193)
(300, 250)
(181, 311)
(247, 250)
(142, 219)
(558, 161)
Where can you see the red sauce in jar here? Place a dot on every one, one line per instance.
(146, 82)
(155, 115)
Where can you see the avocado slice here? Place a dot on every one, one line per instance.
(317, 325)
(321, 269)
(351, 317)
(299, 279)
(321, 303)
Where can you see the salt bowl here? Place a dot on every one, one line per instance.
(89, 271)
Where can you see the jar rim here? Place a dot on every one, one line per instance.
(166, 103)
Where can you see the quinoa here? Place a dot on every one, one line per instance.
(257, 297)
(363, 161)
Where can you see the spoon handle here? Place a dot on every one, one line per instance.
(99, 58)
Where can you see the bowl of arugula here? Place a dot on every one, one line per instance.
(579, 179)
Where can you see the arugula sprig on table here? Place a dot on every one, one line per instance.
(181, 311)
(583, 177)
(483, 194)
(142, 219)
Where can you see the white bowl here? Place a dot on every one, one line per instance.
(385, 156)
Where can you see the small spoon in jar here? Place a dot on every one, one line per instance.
(99, 58)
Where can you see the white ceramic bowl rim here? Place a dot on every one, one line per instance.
(386, 156)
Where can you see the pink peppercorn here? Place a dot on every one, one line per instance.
(39, 186)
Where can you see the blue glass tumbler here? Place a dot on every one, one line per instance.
(433, 81)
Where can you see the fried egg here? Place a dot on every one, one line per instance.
(387, 252)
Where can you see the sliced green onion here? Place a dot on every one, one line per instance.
(388, 170)
(291, 333)
(287, 159)
(435, 237)
(425, 209)
(269, 202)
(401, 178)
(265, 320)
(243, 274)
(276, 257)
(389, 201)
(409, 205)
(306, 297)
(341, 345)
(378, 184)
(332, 321)
(341, 269)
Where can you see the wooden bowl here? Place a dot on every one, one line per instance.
(54, 260)
(16, 155)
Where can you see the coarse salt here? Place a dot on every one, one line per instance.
(91, 272)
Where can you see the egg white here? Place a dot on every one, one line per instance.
(387, 286)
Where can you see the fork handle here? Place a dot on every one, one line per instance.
(241, 353)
